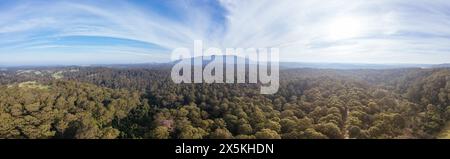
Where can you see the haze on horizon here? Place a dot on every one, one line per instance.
(73, 32)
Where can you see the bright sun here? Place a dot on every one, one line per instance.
(344, 27)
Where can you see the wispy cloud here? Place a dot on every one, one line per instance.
(382, 31)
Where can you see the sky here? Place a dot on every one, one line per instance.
(82, 32)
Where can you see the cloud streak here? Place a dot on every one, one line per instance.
(382, 31)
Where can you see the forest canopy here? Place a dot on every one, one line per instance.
(142, 102)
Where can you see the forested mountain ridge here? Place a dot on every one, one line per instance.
(63, 109)
(143, 102)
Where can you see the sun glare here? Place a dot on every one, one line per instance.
(344, 27)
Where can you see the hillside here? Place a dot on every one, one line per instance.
(142, 102)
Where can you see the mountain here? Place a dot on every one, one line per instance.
(283, 65)
(344, 66)
(444, 65)
(350, 65)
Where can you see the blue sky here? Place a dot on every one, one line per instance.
(39, 32)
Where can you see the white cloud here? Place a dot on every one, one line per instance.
(381, 31)
(344, 30)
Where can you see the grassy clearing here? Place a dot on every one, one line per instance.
(58, 75)
(32, 85)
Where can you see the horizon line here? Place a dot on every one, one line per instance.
(168, 62)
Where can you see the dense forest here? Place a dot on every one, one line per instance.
(143, 102)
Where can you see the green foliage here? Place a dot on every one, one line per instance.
(160, 132)
(143, 102)
(221, 134)
(66, 110)
(267, 134)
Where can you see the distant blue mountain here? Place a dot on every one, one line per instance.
(283, 65)
(351, 65)
(288, 65)
(445, 65)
